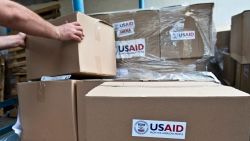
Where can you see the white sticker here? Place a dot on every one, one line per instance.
(122, 72)
(124, 25)
(159, 129)
(184, 35)
(246, 70)
(125, 32)
(125, 28)
(55, 78)
(130, 48)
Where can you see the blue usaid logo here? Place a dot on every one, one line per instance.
(141, 127)
(159, 129)
(130, 48)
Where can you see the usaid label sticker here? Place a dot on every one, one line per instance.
(130, 48)
(125, 32)
(124, 25)
(159, 129)
(184, 35)
(125, 28)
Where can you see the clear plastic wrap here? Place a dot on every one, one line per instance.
(186, 31)
(222, 46)
(162, 44)
(137, 34)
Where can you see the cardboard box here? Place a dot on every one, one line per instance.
(183, 35)
(48, 111)
(102, 16)
(137, 33)
(229, 69)
(94, 6)
(243, 77)
(148, 27)
(223, 40)
(239, 46)
(180, 48)
(94, 56)
(125, 111)
(93, 109)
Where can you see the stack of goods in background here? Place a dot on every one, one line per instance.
(226, 64)
(240, 50)
(171, 43)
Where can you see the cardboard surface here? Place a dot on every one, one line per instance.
(223, 39)
(243, 77)
(229, 69)
(146, 27)
(184, 20)
(48, 111)
(95, 55)
(182, 48)
(210, 111)
(240, 40)
(104, 110)
(238, 76)
(94, 6)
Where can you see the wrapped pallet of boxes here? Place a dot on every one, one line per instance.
(242, 81)
(222, 46)
(93, 110)
(144, 49)
(186, 31)
(229, 70)
(93, 56)
(239, 49)
(137, 39)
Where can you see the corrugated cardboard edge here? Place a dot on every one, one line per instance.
(83, 90)
(97, 20)
(74, 98)
(131, 11)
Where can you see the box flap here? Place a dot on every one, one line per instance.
(161, 89)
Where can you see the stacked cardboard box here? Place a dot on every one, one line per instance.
(242, 77)
(240, 49)
(229, 69)
(162, 41)
(186, 31)
(125, 111)
(94, 56)
(227, 65)
(111, 110)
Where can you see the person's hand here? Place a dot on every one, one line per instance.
(12, 41)
(19, 39)
(70, 31)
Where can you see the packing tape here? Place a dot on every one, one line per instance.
(41, 92)
(98, 63)
(97, 31)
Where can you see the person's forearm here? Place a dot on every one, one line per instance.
(22, 19)
(9, 41)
